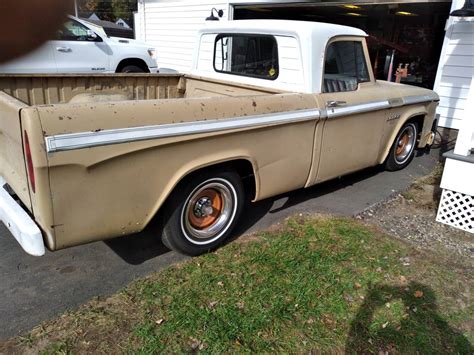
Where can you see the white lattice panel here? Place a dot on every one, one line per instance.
(457, 210)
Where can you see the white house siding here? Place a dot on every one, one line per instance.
(171, 27)
(456, 67)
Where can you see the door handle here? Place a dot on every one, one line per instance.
(336, 103)
(64, 49)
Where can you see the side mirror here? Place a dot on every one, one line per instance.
(91, 35)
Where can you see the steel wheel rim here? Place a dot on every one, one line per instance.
(405, 144)
(209, 211)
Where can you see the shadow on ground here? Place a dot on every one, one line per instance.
(420, 327)
(135, 249)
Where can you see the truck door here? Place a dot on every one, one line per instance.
(355, 110)
(77, 52)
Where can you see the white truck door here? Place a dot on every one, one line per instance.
(40, 60)
(76, 51)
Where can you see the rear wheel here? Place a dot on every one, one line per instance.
(403, 148)
(201, 213)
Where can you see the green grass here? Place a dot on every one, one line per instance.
(317, 285)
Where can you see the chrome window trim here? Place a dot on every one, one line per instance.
(72, 141)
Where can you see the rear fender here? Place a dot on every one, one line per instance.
(205, 162)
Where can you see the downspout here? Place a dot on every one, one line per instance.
(144, 19)
(142, 4)
(230, 16)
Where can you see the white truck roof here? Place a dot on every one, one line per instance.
(312, 37)
(282, 27)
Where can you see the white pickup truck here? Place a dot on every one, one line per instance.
(81, 47)
(271, 106)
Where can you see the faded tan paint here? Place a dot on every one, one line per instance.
(12, 164)
(37, 89)
(85, 195)
(41, 202)
(349, 142)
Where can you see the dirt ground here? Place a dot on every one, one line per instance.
(411, 216)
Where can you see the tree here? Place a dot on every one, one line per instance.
(109, 10)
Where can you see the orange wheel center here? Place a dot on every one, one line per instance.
(402, 143)
(209, 213)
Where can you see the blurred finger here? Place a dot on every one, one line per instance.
(29, 23)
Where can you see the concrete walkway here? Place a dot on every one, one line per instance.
(33, 290)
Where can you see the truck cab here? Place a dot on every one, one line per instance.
(328, 61)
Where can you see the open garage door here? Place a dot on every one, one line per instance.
(405, 34)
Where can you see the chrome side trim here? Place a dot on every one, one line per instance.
(377, 105)
(72, 141)
(356, 109)
(418, 99)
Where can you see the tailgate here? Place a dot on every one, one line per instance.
(12, 163)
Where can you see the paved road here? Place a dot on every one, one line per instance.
(33, 290)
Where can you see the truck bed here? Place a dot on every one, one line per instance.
(127, 180)
(75, 88)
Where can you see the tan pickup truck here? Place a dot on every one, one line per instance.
(271, 106)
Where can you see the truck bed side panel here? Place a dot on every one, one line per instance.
(109, 190)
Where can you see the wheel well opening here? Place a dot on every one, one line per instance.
(242, 167)
(132, 61)
(245, 170)
(419, 120)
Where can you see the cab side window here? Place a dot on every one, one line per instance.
(73, 31)
(345, 67)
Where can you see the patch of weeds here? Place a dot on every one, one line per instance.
(426, 192)
(27, 340)
(58, 348)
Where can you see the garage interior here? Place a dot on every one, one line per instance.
(405, 34)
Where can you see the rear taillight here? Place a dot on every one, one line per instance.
(29, 163)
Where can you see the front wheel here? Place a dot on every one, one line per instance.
(403, 148)
(201, 213)
(132, 69)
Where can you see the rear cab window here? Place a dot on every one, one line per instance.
(249, 55)
(345, 66)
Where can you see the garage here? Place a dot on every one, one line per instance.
(403, 35)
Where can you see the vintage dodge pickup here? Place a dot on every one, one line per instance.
(271, 106)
